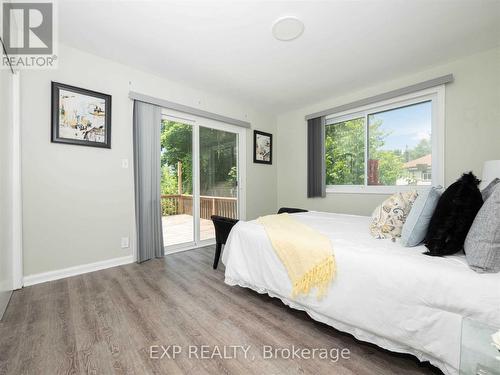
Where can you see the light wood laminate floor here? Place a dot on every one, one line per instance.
(105, 323)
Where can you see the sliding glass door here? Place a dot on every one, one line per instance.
(201, 177)
(218, 177)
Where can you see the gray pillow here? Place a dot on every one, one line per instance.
(482, 245)
(415, 227)
(486, 192)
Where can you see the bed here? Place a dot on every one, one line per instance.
(383, 293)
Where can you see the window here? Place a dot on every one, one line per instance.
(427, 176)
(345, 152)
(386, 147)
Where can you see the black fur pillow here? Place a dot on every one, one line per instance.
(453, 217)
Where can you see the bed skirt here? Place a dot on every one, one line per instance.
(358, 333)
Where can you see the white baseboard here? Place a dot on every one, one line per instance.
(76, 270)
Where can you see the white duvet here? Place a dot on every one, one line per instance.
(383, 293)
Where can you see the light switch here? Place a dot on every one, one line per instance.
(124, 163)
(125, 242)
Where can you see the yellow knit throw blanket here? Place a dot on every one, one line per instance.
(306, 254)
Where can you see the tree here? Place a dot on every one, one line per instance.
(423, 148)
(218, 173)
(344, 151)
(168, 181)
(390, 167)
(390, 162)
(176, 146)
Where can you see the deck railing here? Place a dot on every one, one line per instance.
(177, 204)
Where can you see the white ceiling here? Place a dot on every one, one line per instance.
(227, 48)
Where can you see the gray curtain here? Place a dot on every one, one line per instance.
(147, 175)
(316, 184)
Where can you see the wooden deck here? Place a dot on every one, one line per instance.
(178, 229)
(178, 204)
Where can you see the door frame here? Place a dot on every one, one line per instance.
(196, 122)
(17, 205)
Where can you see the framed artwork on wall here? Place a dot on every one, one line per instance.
(80, 117)
(262, 147)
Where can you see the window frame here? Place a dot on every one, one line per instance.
(436, 95)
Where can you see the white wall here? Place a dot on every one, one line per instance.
(78, 201)
(5, 188)
(472, 131)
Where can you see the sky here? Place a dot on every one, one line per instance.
(407, 125)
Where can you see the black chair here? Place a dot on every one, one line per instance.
(223, 226)
(290, 210)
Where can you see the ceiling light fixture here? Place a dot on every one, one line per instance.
(287, 28)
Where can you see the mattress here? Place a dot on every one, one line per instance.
(383, 293)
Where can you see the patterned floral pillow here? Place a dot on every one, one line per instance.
(389, 217)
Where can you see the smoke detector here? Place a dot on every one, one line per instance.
(288, 28)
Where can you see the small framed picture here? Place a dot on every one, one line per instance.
(80, 117)
(262, 147)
